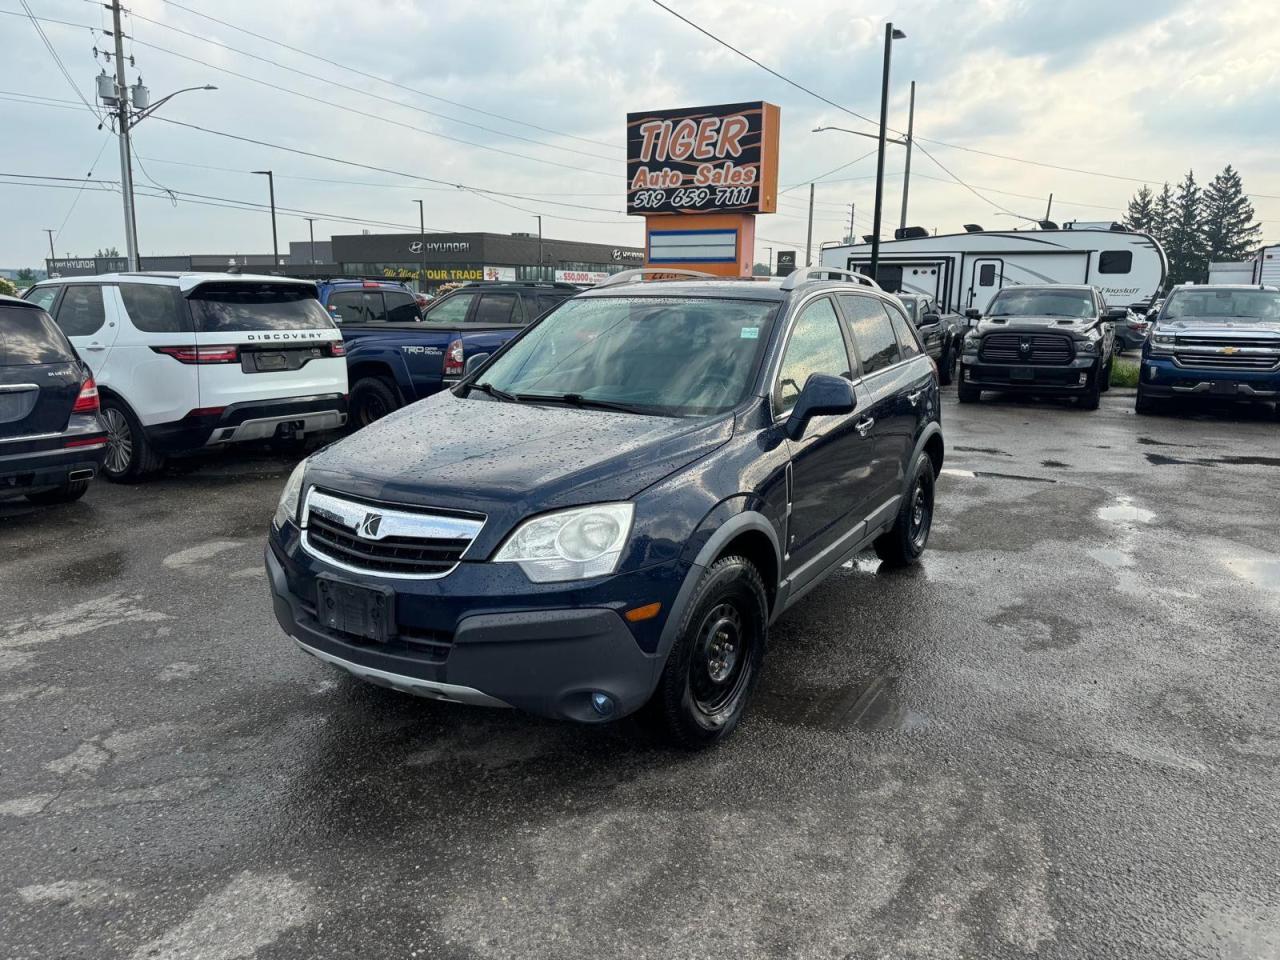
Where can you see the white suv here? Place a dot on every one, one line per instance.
(187, 361)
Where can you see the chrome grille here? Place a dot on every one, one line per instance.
(1040, 348)
(1227, 353)
(1219, 361)
(371, 537)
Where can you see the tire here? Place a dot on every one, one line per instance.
(967, 393)
(1105, 385)
(1143, 405)
(130, 457)
(372, 398)
(947, 366)
(691, 708)
(1092, 395)
(905, 541)
(70, 491)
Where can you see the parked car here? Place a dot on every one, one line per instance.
(1046, 340)
(1131, 332)
(392, 364)
(369, 301)
(607, 516)
(52, 439)
(941, 333)
(1213, 342)
(188, 362)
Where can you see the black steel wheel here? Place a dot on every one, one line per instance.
(372, 398)
(905, 541)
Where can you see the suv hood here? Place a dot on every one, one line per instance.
(1224, 327)
(1069, 326)
(510, 460)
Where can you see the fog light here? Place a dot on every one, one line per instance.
(603, 704)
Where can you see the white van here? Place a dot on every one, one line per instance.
(188, 361)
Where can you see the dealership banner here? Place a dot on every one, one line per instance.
(718, 159)
(581, 276)
(499, 273)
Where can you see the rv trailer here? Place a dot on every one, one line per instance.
(963, 270)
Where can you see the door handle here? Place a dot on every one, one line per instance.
(915, 397)
(95, 346)
(864, 425)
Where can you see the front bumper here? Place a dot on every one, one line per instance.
(483, 649)
(251, 420)
(1070, 377)
(1161, 377)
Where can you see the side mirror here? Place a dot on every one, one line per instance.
(473, 362)
(973, 313)
(823, 396)
(1116, 313)
(928, 319)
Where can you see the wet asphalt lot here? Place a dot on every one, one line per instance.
(1059, 737)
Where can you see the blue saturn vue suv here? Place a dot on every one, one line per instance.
(1220, 342)
(607, 514)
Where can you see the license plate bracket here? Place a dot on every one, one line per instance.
(265, 362)
(1025, 374)
(1223, 388)
(365, 612)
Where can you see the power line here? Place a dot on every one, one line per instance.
(366, 93)
(62, 67)
(312, 55)
(822, 176)
(88, 179)
(961, 182)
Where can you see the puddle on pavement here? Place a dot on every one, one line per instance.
(876, 705)
(1261, 572)
(1161, 460)
(993, 475)
(1054, 464)
(1112, 559)
(1123, 511)
(992, 451)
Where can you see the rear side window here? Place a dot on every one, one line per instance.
(1115, 261)
(347, 306)
(497, 308)
(908, 345)
(28, 335)
(155, 308)
(43, 297)
(401, 307)
(452, 309)
(81, 312)
(234, 307)
(872, 332)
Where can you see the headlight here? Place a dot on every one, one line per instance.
(570, 544)
(1086, 346)
(971, 344)
(1162, 342)
(287, 508)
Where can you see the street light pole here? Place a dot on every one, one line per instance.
(890, 34)
(271, 187)
(541, 273)
(808, 237)
(906, 172)
(769, 260)
(422, 237)
(52, 255)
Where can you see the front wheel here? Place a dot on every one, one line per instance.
(907, 538)
(967, 392)
(1092, 396)
(1144, 405)
(68, 492)
(1105, 385)
(716, 658)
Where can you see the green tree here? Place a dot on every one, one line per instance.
(1162, 215)
(26, 276)
(1188, 253)
(1142, 211)
(109, 252)
(760, 270)
(1230, 231)
(7, 288)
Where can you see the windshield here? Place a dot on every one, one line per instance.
(910, 304)
(659, 355)
(1255, 306)
(234, 307)
(1042, 303)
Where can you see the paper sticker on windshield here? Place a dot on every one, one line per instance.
(750, 333)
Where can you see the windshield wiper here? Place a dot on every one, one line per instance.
(494, 392)
(578, 400)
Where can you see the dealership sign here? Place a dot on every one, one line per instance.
(581, 276)
(719, 159)
(620, 255)
(440, 246)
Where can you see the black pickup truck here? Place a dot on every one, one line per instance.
(941, 333)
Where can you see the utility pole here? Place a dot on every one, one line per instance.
(808, 237)
(769, 257)
(422, 234)
(906, 173)
(853, 237)
(271, 187)
(890, 35)
(52, 255)
(541, 274)
(122, 119)
(1049, 209)
(311, 232)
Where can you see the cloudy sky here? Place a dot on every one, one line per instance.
(528, 99)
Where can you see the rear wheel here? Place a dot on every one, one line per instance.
(947, 365)
(716, 659)
(129, 456)
(907, 538)
(69, 491)
(372, 398)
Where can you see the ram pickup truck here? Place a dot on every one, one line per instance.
(397, 354)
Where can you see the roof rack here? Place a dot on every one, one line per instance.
(806, 274)
(632, 276)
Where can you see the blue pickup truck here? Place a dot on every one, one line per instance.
(398, 352)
